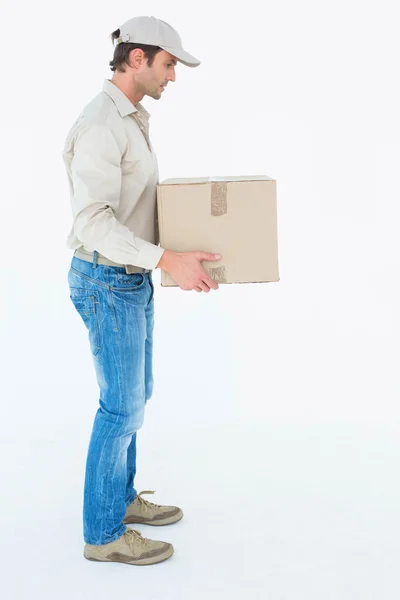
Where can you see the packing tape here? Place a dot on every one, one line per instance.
(219, 199)
(218, 274)
(219, 206)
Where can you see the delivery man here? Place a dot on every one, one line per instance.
(112, 174)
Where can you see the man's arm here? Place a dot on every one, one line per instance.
(97, 177)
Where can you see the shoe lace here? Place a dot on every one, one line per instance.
(147, 502)
(133, 536)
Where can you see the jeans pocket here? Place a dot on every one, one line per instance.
(127, 281)
(87, 302)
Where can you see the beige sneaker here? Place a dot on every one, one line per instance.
(143, 511)
(131, 548)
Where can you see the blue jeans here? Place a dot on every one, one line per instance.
(118, 311)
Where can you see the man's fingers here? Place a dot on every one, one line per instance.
(204, 286)
(210, 282)
(208, 256)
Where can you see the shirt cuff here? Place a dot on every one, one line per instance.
(149, 256)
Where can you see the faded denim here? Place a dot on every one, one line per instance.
(118, 311)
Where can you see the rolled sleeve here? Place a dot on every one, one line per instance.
(97, 177)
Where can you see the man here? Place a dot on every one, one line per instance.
(112, 173)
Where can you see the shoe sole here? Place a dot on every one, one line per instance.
(138, 562)
(170, 521)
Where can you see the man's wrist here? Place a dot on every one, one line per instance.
(162, 263)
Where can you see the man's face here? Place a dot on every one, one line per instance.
(154, 79)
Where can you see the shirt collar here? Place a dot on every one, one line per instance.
(122, 102)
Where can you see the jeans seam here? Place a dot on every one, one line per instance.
(152, 291)
(96, 281)
(113, 312)
(97, 328)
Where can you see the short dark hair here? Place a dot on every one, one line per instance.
(121, 52)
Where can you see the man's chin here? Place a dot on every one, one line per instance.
(156, 95)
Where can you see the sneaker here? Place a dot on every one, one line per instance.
(143, 511)
(131, 548)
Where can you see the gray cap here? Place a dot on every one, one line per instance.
(154, 32)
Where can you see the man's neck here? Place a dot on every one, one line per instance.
(127, 88)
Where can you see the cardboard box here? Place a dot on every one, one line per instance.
(232, 216)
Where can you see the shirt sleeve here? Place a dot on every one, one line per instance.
(96, 178)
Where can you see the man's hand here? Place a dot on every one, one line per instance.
(186, 270)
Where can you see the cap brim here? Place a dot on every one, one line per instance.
(183, 56)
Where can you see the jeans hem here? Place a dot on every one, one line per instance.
(114, 537)
(133, 498)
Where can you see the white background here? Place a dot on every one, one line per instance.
(275, 418)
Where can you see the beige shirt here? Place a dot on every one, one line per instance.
(112, 174)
